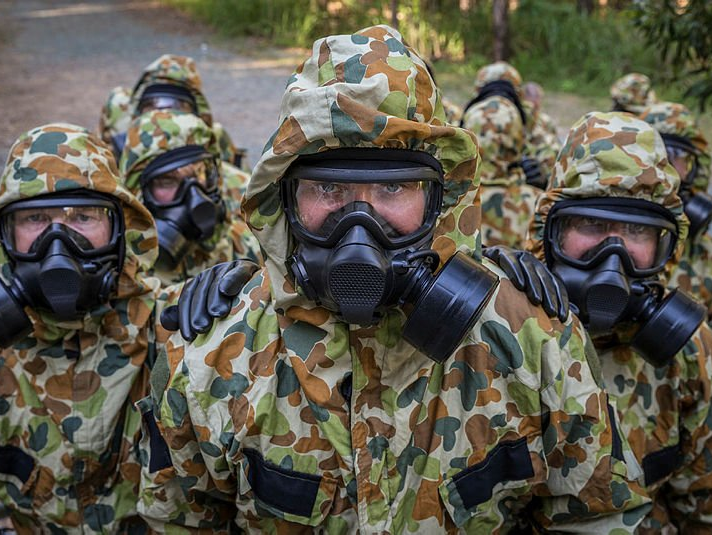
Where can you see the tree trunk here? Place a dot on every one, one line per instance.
(585, 6)
(394, 14)
(500, 25)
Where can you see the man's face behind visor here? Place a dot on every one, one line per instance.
(167, 187)
(400, 205)
(93, 223)
(581, 233)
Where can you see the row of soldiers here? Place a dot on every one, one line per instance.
(311, 385)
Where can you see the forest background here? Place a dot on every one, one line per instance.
(574, 48)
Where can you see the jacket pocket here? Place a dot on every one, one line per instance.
(294, 496)
(507, 470)
(661, 463)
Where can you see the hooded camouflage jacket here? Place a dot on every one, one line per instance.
(67, 422)
(284, 419)
(632, 93)
(694, 271)
(507, 200)
(664, 412)
(157, 132)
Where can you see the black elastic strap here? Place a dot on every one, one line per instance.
(661, 463)
(16, 462)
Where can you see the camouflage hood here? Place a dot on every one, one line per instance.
(369, 89)
(676, 119)
(610, 155)
(157, 132)
(62, 157)
(174, 70)
(160, 131)
(500, 70)
(115, 114)
(632, 93)
(499, 129)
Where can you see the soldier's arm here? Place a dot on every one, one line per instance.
(184, 483)
(591, 486)
(689, 491)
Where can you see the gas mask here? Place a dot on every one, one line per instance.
(683, 156)
(532, 172)
(166, 97)
(363, 221)
(180, 189)
(66, 253)
(609, 252)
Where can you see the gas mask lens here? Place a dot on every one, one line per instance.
(400, 207)
(583, 236)
(87, 225)
(165, 103)
(168, 186)
(396, 201)
(682, 160)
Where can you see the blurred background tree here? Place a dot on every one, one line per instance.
(682, 32)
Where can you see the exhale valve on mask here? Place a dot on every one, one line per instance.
(356, 263)
(605, 285)
(62, 273)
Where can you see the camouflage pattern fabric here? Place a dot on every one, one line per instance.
(694, 271)
(67, 421)
(115, 114)
(665, 412)
(228, 151)
(160, 131)
(499, 70)
(632, 93)
(541, 140)
(507, 200)
(283, 419)
(175, 70)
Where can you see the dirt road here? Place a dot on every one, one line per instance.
(60, 58)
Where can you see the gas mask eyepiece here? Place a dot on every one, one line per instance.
(66, 253)
(166, 97)
(363, 221)
(180, 188)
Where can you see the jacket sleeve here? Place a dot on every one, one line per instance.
(689, 491)
(184, 481)
(591, 485)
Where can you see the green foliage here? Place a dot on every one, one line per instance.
(684, 37)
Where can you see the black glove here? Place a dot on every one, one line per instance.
(532, 170)
(207, 296)
(531, 276)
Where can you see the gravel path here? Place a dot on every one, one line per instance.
(59, 59)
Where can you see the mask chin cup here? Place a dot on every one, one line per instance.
(15, 324)
(667, 327)
(172, 245)
(447, 305)
(698, 209)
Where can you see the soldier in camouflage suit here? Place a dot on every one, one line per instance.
(68, 426)
(614, 159)
(542, 139)
(284, 418)
(507, 200)
(160, 133)
(689, 152)
(632, 93)
(124, 105)
(540, 147)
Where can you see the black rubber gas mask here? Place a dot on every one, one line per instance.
(363, 221)
(684, 156)
(66, 254)
(609, 253)
(180, 189)
(166, 97)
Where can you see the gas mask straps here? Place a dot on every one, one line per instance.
(363, 220)
(181, 190)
